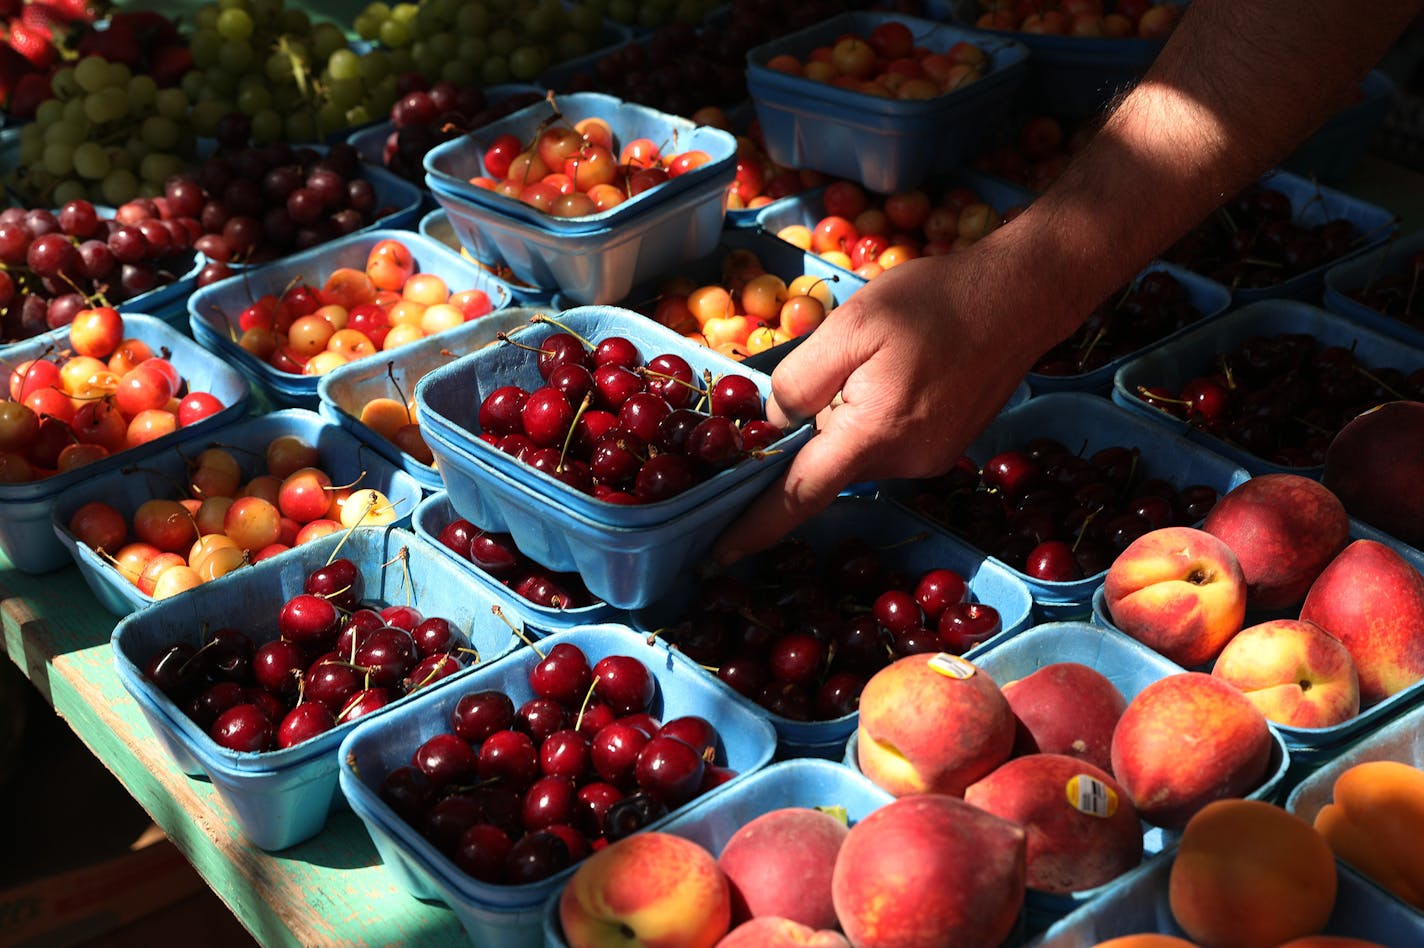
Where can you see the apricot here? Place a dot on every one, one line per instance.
(1375, 822)
(1251, 875)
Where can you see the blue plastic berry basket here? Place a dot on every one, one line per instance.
(887, 145)
(1087, 423)
(280, 798)
(213, 310)
(343, 457)
(889, 527)
(513, 914)
(1175, 363)
(785, 784)
(344, 391)
(1345, 279)
(436, 225)
(435, 513)
(26, 538)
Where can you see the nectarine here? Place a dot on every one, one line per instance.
(1294, 672)
(1066, 708)
(780, 864)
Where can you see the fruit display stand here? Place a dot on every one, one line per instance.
(332, 889)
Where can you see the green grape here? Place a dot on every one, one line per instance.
(326, 39)
(66, 191)
(92, 73)
(494, 71)
(460, 71)
(192, 83)
(90, 161)
(526, 62)
(65, 132)
(266, 13)
(119, 74)
(344, 64)
(161, 134)
(442, 47)
(50, 110)
(130, 153)
(375, 65)
(32, 144)
(378, 9)
(206, 17)
(541, 21)
(206, 115)
(367, 26)
(471, 50)
(266, 127)
(143, 93)
(473, 19)
(427, 22)
(295, 22)
(74, 115)
(443, 10)
(234, 5)
(502, 7)
(106, 105)
(624, 11)
(357, 115)
(502, 41)
(395, 34)
(584, 18)
(401, 61)
(345, 93)
(382, 95)
(405, 12)
(301, 126)
(63, 83)
(236, 56)
(147, 189)
(157, 168)
(220, 83)
(571, 46)
(58, 159)
(330, 118)
(278, 68)
(119, 187)
(205, 46)
(171, 103)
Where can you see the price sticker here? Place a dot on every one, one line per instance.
(951, 666)
(1089, 795)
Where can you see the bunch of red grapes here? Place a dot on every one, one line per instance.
(52, 265)
(626, 431)
(1055, 515)
(496, 554)
(335, 659)
(802, 639)
(424, 118)
(515, 794)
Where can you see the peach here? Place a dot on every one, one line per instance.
(1178, 590)
(1082, 826)
(1185, 741)
(780, 865)
(1372, 600)
(1145, 940)
(930, 870)
(768, 931)
(1066, 708)
(1375, 465)
(648, 889)
(932, 724)
(1238, 857)
(1284, 530)
(1293, 672)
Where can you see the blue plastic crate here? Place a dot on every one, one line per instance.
(25, 534)
(1310, 746)
(213, 310)
(432, 516)
(886, 144)
(449, 399)
(1087, 423)
(512, 915)
(1335, 150)
(343, 457)
(436, 225)
(1399, 740)
(280, 798)
(1193, 353)
(1138, 902)
(1344, 279)
(450, 165)
(782, 785)
(885, 525)
(1209, 298)
(345, 390)
(1068, 75)
(599, 265)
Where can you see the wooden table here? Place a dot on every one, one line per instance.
(331, 890)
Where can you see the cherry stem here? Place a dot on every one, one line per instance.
(646, 372)
(1083, 528)
(1151, 397)
(569, 437)
(544, 318)
(1378, 381)
(517, 631)
(430, 676)
(391, 374)
(503, 336)
(907, 541)
(587, 697)
(470, 651)
(335, 487)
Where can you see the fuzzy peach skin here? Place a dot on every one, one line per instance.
(1293, 672)
(1177, 590)
(1372, 600)
(769, 931)
(1284, 529)
(1185, 741)
(924, 732)
(648, 890)
(780, 865)
(1066, 708)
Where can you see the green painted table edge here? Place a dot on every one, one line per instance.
(331, 890)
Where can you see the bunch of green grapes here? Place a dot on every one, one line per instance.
(107, 136)
(651, 14)
(481, 42)
(294, 80)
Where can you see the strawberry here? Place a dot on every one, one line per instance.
(152, 29)
(168, 64)
(46, 19)
(31, 44)
(77, 10)
(32, 89)
(117, 44)
(13, 67)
